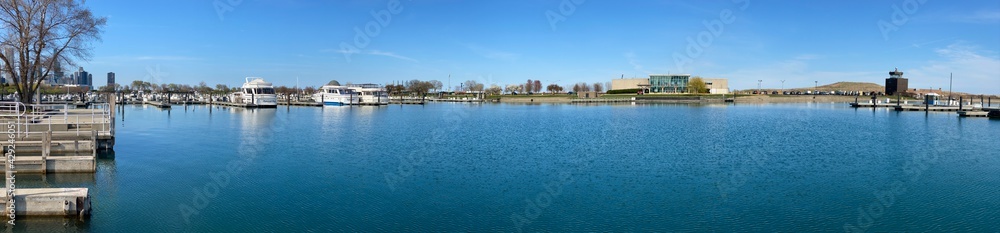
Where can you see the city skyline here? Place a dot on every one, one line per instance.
(563, 42)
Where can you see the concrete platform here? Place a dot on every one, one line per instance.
(159, 104)
(48, 201)
(873, 105)
(295, 103)
(972, 113)
(928, 108)
(242, 105)
(55, 164)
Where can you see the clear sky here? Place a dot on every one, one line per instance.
(556, 41)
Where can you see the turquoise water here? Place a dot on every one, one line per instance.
(570, 168)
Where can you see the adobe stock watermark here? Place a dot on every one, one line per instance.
(713, 29)
(224, 6)
(155, 75)
(11, 156)
(899, 17)
(249, 149)
(363, 38)
(739, 178)
(410, 162)
(535, 205)
(566, 9)
(884, 199)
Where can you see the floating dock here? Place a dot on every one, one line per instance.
(242, 105)
(159, 104)
(301, 103)
(972, 113)
(874, 105)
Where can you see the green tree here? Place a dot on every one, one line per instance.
(697, 85)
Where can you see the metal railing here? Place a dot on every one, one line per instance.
(43, 117)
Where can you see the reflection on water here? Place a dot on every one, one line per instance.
(659, 167)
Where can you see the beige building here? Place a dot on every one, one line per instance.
(717, 85)
(629, 83)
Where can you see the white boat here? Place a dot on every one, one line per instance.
(371, 93)
(257, 92)
(334, 94)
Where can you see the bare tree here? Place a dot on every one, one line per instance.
(494, 90)
(40, 35)
(529, 87)
(437, 85)
(472, 85)
(537, 86)
(581, 87)
(513, 88)
(598, 87)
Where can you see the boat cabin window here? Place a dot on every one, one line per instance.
(267, 90)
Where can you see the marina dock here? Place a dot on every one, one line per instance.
(158, 104)
(874, 105)
(973, 113)
(49, 201)
(54, 138)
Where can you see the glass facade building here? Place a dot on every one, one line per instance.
(668, 83)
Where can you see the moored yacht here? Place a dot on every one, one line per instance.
(334, 94)
(370, 93)
(257, 92)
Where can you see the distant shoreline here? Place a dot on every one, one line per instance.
(741, 99)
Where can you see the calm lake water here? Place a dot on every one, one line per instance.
(568, 168)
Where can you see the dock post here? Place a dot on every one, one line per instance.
(874, 101)
(46, 150)
(959, 103)
(927, 106)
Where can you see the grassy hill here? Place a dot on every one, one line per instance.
(846, 86)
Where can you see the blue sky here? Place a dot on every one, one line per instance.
(556, 41)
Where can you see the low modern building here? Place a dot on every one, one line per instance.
(668, 83)
(629, 83)
(717, 85)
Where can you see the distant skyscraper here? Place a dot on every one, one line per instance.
(111, 78)
(83, 78)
